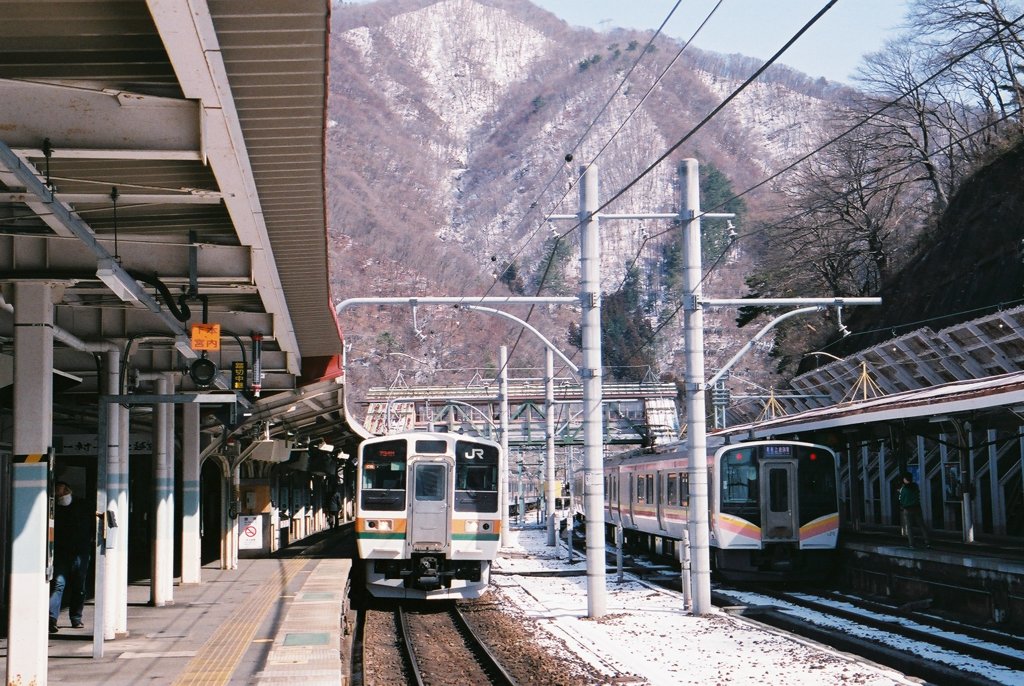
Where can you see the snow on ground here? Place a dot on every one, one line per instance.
(647, 633)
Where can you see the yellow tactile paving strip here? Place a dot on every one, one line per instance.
(217, 660)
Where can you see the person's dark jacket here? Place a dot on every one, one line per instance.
(74, 529)
(910, 496)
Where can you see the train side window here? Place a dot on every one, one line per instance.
(672, 489)
(641, 496)
(651, 495)
(684, 489)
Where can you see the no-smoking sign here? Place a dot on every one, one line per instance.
(250, 532)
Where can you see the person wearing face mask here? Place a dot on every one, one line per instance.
(73, 542)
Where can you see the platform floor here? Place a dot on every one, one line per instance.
(271, 621)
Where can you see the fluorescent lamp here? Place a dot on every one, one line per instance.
(109, 273)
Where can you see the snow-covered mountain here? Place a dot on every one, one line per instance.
(452, 121)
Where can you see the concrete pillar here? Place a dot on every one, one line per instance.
(30, 508)
(231, 530)
(123, 521)
(162, 582)
(191, 548)
(114, 594)
(550, 488)
(591, 372)
(504, 419)
(696, 425)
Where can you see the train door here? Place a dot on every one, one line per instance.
(632, 499)
(428, 512)
(617, 476)
(659, 498)
(779, 507)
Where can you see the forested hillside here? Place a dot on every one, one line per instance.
(458, 126)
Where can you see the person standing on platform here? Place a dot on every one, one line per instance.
(335, 506)
(910, 503)
(74, 537)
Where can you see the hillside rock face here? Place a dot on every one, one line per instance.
(451, 124)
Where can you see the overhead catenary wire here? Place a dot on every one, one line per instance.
(558, 237)
(667, 320)
(863, 121)
(579, 142)
(695, 129)
(714, 112)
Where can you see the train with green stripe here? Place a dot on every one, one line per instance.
(428, 519)
(773, 505)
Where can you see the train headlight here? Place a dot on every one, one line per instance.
(380, 524)
(473, 526)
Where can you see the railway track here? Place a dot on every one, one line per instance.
(916, 643)
(424, 644)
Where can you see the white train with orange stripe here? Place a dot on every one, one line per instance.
(428, 521)
(773, 505)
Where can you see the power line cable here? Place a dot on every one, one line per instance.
(864, 120)
(558, 237)
(714, 112)
(579, 142)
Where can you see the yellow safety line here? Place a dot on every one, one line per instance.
(217, 660)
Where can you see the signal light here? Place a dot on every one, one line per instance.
(814, 457)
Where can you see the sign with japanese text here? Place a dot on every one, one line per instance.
(250, 532)
(89, 444)
(238, 375)
(206, 337)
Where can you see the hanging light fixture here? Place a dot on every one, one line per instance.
(203, 371)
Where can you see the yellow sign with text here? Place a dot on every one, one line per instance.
(206, 337)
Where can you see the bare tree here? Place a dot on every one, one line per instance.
(987, 29)
(910, 112)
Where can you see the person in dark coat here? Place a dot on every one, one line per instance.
(74, 537)
(337, 502)
(910, 503)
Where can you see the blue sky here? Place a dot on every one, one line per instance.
(832, 48)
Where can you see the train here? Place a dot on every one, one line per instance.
(773, 505)
(428, 519)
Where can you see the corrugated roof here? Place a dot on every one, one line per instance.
(208, 117)
(209, 120)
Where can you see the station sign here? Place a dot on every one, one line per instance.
(205, 337)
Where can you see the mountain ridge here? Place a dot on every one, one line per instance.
(469, 155)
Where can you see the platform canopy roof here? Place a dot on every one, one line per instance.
(163, 164)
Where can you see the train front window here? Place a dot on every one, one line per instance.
(817, 483)
(430, 481)
(739, 478)
(383, 477)
(476, 477)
